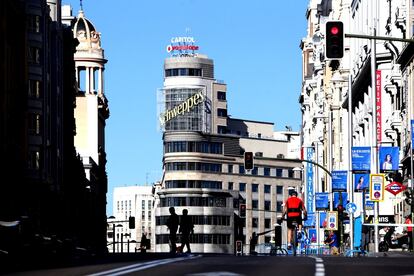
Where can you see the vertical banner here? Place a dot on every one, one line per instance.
(361, 182)
(309, 181)
(339, 180)
(389, 158)
(412, 132)
(340, 198)
(361, 158)
(379, 104)
(322, 201)
(311, 221)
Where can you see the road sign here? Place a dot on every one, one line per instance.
(332, 220)
(376, 189)
(351, 207)
(395, 187)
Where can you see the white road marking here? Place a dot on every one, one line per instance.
(141, 266)
(319, 266)
(216, 273)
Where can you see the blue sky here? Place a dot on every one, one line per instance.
(255, 48)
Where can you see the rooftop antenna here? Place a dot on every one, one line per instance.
(81, 5)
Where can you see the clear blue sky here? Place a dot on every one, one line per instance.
(255, 48)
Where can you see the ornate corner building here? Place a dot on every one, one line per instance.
(203, 161)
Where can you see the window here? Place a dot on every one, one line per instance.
(230, 168)
(241, 169)
(221, 95)
(143, 205)
(267, 205)
(230, 186)
(267, 189)
(34, 89)
(267, 222)
(221, 112)
(221, 129)
(242, 187)
(290, 173)
(266, 171)
(143, 215)
(255, 204)
(149, 204)
(34, 55)
(279, 207)
(34, 160)
(34, 123)
(254, 171)
(255, 222)
(279, 190)
(255, 188)
(279, 172)
(33, 23)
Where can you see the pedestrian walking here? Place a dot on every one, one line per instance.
(186, 228)
(172, 224)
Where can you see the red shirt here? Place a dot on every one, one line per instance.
(408, 221)
(294, 206)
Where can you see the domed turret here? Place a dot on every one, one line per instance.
(89, 38)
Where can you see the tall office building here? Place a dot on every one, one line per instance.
(203, 158)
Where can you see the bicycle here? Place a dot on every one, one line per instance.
(278, 251)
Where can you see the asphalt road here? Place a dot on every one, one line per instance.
(225, 265)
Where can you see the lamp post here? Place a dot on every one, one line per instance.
(114, 235)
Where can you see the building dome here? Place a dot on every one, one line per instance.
(85, 32)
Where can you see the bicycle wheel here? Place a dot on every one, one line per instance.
(295, 240)
(281, 252)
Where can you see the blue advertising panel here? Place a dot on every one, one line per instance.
(339, 180)
(337, 199)
(311, 221)
(312, 235)
(310, 207)
(361, 158)
(389, 158)
(412, 132)
(361, 182)
(321, 201)
(322, 219)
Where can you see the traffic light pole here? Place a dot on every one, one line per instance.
(375, 37)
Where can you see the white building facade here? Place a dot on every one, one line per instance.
(135, 202)
(328, 128)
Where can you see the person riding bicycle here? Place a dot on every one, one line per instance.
(293, 209)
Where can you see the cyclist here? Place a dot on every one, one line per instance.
(293, 209)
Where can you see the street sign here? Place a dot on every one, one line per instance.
(376, 190)
(332, 220)
(351, 207)
(395, 188)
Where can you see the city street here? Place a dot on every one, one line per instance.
(397, 264)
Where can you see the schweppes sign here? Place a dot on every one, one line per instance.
(184, 107)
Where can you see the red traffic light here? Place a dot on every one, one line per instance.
(334, 40)
(340, 208)
(334, 30)
(248, 160)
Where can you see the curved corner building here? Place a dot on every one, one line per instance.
(203, 162)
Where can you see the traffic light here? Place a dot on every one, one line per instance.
(131, 222)
(340, 209)
(334, 40)
(409, 199)
(248, 160)
(242, 210)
